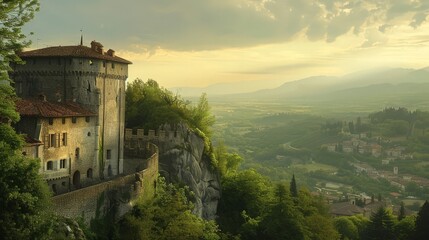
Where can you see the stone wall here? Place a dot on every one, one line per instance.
(122, 192)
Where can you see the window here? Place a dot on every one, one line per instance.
(104, 64)
(87, 119)
(50, 165)
(89, 134)
(64, 139)
(51, 121)
(63, 120)
(77, 152)
(74, 119)
(63, 163)
(52, 140)
(89, 173)
(90, 62)
(109, 154)
(113, 65)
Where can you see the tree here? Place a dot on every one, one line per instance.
(201, 117)
(227, 162)
(24, 196)
(167, 216)
(245, 191)
(346, 228)
(404, 229)
(381, 225)
(401, 214)
(293, 188)
(422, 222)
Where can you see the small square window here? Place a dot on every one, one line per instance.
(51, 121)
(50, 165)
(109, 154)
(63, 120)
(87, 119)
(74, 119)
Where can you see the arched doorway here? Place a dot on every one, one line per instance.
(76, 179)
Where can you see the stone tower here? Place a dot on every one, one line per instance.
(74, 82)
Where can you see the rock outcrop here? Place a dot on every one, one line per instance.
(181, 160)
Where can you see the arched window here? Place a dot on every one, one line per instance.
(77, 153)
(89, 173)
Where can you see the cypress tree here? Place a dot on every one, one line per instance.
(293, 188)
(422, 223)
(401, 214)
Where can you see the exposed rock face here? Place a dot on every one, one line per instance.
(182, 161)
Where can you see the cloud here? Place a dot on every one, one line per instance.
(188, 25)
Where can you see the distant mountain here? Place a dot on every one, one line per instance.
(324, 87)
(224, 88)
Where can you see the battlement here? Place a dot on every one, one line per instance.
(136, 136)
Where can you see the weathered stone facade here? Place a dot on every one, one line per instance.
(94, 80)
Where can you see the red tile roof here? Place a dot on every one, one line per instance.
(71, 51)
(40, 108)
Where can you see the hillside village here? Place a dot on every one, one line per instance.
(382, 150)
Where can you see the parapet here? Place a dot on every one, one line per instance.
(151, 136)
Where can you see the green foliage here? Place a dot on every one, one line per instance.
(167, 216)
(293, 188)
(201, 118)
(422, 223)
(149, 106)
(227, 162)
(13, 15)
(242, 191)
(254, 208)
(346, 228)
(404, 229)
(381, 225)
(24, 197)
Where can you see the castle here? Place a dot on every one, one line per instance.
(72, 110)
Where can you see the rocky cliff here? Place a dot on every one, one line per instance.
(181, 160)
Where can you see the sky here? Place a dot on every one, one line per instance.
(261, 43)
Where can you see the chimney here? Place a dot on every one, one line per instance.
(96, 46)
(111, 52)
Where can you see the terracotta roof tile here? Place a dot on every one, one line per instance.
(71, 51)
(33, 107)
(345, 209)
